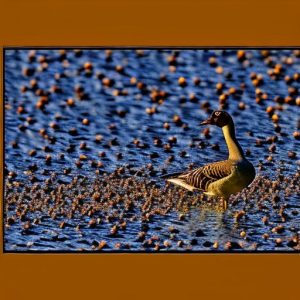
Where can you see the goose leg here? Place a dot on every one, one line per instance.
(224, 203)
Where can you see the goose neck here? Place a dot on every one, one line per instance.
(234, 149)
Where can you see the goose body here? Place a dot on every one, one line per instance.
(222, 178)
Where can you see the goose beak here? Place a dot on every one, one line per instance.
(206, 122)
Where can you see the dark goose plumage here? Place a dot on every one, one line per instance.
(202, 177)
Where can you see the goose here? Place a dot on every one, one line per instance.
(221, 178)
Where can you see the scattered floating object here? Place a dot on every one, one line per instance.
(296, 135)
(182, 82)
(243, 234)
(87, 140)
(292, 154)
(85, 122)
(239, 215)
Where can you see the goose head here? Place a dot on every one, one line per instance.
(219, 118)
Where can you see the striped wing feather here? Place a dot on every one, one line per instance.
(202, 177)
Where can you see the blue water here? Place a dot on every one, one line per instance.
(100, 108)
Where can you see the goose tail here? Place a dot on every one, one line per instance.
(173, 178)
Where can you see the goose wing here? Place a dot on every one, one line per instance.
(202, 177)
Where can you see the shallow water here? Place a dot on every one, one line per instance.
(100, 107)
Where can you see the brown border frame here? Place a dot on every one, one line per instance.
(164, 22)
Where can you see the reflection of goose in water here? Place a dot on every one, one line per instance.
(216, 226)
(221, 178)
